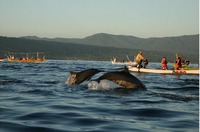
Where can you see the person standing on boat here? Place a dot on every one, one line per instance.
(164, 63)
(139, 58)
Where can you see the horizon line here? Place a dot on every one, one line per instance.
(93, 35)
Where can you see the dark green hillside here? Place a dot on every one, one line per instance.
(57, 50)
(188, 44)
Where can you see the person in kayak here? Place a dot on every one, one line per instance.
(164, 63)
(185, 66)
(139, 59)
(178, 64)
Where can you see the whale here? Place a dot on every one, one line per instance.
(123, 78)
(79, 77)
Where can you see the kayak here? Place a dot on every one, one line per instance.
(129, 62)
(120, 63)
(194, 71)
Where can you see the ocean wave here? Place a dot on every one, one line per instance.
(178, 97)
(34, 97)
(5, 80)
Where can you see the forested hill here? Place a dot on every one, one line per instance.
(58, 50)
(182, 44)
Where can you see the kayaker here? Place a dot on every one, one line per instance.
(178, 64)
(164, 63)
(139, 58)
(187, 62)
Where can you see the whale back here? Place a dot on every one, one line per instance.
(123, 78)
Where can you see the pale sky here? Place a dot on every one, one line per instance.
(82, 18)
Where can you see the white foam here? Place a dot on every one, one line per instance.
(104, 84)
(93, 85)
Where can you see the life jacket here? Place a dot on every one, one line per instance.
(178, 64)
(164, 64)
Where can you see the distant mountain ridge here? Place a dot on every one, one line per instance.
(60, 50)
(180, 44)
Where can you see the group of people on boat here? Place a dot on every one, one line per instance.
(26, 58)
(178, 65)
(142, 62)
(12, 57)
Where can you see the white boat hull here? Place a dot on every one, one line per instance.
(123, 63)
(160, 71)
(120, 63)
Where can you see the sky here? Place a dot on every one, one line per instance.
(82, 18)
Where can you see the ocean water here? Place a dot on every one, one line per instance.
(35, 98)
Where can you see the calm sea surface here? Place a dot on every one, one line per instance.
(35, 98)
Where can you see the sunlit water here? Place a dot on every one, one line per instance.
(35, 97)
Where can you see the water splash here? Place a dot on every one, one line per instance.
(102, 85)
